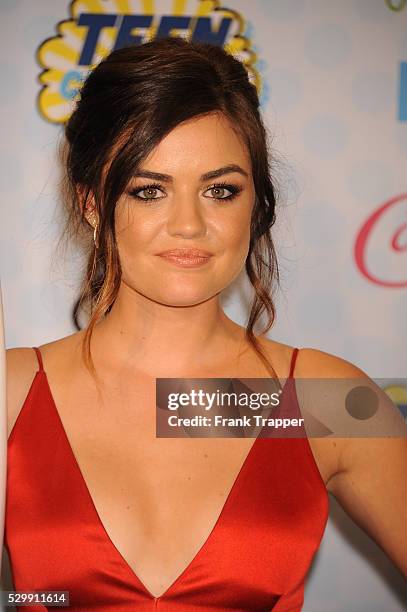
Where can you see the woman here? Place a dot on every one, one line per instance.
(168, 177)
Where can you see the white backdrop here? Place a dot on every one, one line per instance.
(336, 106)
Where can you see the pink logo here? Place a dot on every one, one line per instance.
(396, 243)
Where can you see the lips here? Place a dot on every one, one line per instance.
(187, 252)
(186, 258)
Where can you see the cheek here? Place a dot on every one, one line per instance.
(239, 235)
(235, 232)
(134, 234)
(132, 247)
(234, 237)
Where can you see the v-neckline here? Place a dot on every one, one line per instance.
(175, 583)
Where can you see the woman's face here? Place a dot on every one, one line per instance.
(186, 210)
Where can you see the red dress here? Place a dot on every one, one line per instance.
(255, 558)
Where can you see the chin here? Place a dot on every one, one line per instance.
(179, 300)
(181, 292)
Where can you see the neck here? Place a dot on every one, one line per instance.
(153, 337)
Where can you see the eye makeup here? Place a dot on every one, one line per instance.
(233, 188)
(136, 190)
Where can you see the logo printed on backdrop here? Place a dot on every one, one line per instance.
(396, 5)
(377, 220)
(397, 244)
(403, 92)
(399, 5)
(96, 27)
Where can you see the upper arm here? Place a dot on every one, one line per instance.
(371, 480)
(372, 489)
(21, 366)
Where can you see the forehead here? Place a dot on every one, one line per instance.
(199, 143)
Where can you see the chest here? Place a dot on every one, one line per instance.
(162, 507)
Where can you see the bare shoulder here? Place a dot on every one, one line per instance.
(59, 353)
(310, 362)
(22, 366)
(280, 355)
(314, 363)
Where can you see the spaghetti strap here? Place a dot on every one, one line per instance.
(39, 357)
(293, 360)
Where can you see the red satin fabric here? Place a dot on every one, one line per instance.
(256, 557)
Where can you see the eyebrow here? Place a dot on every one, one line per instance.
(158, 176)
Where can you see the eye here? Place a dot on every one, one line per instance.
(150, 189)
(219, 190)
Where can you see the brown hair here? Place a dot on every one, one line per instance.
(128, 103)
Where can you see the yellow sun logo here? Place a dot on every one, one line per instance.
(96, 27)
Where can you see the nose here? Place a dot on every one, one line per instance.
(186, 217)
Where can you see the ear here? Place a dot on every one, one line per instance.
(87, 204)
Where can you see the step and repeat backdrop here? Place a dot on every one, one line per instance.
(332, 80)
